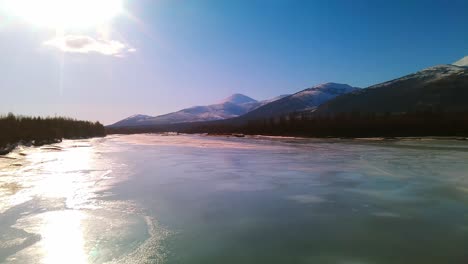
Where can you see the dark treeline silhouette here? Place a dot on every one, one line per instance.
(415, 124)
(38, 131)
(306, 124)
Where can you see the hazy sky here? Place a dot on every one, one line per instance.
(159, 56)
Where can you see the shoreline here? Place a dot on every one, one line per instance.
(33, 143)
(377, 138)
(5, 150)
(240, 135)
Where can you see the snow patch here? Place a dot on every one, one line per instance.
(430, 74)
(325, 91)
(238, 99)
(462, 62)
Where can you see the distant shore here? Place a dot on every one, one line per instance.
(11, 147)
(451, 138)
(343, 125)
(266, 136)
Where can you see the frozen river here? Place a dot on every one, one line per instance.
(197, 199)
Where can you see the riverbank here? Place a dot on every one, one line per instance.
(4, 150)
(38, 131)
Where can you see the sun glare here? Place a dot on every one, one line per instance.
(64, 13)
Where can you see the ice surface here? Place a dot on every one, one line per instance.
(201, 199)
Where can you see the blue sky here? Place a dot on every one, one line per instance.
(160, 56)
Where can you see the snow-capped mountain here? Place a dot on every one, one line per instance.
(233, 106)
(307, 99)
(238, 99)
(437, 88)
(462, 62)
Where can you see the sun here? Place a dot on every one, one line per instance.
(64, 14)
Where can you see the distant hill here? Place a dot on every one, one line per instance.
(307, 99)
(442, 88)
(233, 106)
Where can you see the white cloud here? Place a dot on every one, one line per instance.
(86, 44)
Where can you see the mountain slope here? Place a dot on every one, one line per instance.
(307, 99)
(438, 88)
(233, 106)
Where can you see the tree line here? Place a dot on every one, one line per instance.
(39, 131)
(356, 124)
(308, 124)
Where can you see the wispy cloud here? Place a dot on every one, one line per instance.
(87, 44)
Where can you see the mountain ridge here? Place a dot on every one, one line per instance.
(307, 99)
(232, 106)
(438, 88)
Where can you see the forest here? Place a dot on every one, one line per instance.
(39, 131)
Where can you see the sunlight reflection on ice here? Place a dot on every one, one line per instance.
(69, 173)
(62, 237)
(49, 208)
